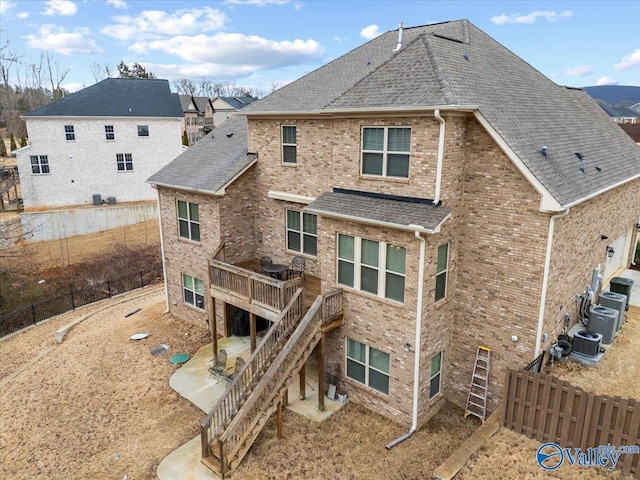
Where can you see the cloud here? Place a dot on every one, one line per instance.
(5, 6)
(579, 71)
(260, 3)
(60, 7)
(22, 15)
(73, 86)
(51, 37)
(606, 81)
(118, 4)
(235, 50)
(372, 31)
(200, 70)
(629, 61)
(550, 15)
(155, 24)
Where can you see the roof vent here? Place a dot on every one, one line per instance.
(399, 45)
(583, 162)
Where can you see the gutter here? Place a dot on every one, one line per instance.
(418, 343)
(164, 263)
(545, 278)
(443, 126)
(337, 111)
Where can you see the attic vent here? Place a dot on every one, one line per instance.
(399, 45)
(583, 162)
(466, 54)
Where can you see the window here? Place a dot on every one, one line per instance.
(124, 162)
(188, 220)
(441, 271)
(385, 151)
(143, 130)
(373, 267)
(302, 232)
(39, 164)
(368, 366)
(109, 133)
(69, 133)
(289, 145)
(193, 289)
(434, 379)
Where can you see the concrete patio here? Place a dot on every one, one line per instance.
(194, 383)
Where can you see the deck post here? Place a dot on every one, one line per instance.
(279, 418)
(252, 330)
(303, 381)
(321, 374)
(214, 329)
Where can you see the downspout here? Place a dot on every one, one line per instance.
(416, 368)
(545, 278)
(164, 264)
(436, 197)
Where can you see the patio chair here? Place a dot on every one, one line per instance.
(217, 368)
(297, 267)
(264, 261)
(236, 370)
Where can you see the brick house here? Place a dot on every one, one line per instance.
(198, 117)
(456, 195)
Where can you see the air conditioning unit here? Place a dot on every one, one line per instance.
(617, 301)
(587, 343)
(603, 320)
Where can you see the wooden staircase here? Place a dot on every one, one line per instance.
(239, 416)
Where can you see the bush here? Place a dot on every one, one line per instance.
(3, 148)
(12, 143)
(185, 139)
(23, 141)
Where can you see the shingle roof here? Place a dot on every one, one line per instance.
(212, 162)
(185, 102)
(397, 212)
(116, 97)
(455, 64)
(238, 102)
(201, 103)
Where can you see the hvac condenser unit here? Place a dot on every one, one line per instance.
(587, 343)
(603, 320)
(614, 300)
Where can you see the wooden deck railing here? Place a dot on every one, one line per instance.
(254, 288)
(232, 398)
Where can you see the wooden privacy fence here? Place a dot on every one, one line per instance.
(548, 409)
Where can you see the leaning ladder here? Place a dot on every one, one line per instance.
(477, 399)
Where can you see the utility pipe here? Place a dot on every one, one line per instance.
(545, 278)
(418, 342)
(164, 263)
(436, 197)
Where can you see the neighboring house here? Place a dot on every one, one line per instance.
(456, 195)
(224, 107)
(99, 144)
(198, 117)
(620, 114)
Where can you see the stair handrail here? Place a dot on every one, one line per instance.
(233, 396)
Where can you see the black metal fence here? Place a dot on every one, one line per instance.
(53, 306)
(536, 365)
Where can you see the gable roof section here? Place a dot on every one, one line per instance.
(116, 97)
(187, 103)
(212, 163)
(201, 103)
(455, 65)
(238, 103)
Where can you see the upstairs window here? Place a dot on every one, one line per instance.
(374, 267)
(124, 161)
(39, 164)
(69, 132)
(193, 291)
(143, 130)
(368, 366)
(385, 151)
(441, 271)
(289, 145)
(109, 133)
(189, 220)
(302, 232)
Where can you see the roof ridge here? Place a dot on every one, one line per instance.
(438, 71)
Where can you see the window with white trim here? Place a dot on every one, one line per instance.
(386, 151)
(436, 375)
(302, 232)
(69, 132)
(370, 266)
(442, 269)
(368, 366)
(289, 145)
(143, 130)
(124, 162)
(189, 220)
(109, 133)
(193, 291)
(39, 164)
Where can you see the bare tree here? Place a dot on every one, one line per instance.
(100, 72)
(185, 86)
(57, 78)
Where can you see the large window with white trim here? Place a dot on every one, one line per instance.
(189, 220)
(370, 266)
(368, 366)
(193, 291)
(302, 232)
(39, 164)
(442, 269)
(386, 151)
(124, 162)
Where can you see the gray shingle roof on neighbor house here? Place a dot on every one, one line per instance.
(116, 97)
(454, 64)
(238, 102)
(397, 212)
(212, 162)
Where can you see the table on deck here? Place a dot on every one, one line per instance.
(276, 270)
